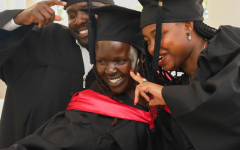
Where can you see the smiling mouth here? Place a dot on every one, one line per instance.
(161, 57)
(115, 80)
(83, 32)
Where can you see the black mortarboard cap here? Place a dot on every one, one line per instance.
(70, 2)
(165, 11)
(117, 23)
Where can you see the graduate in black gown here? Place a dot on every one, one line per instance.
(104, 117)
(42, 67)
(205, 109)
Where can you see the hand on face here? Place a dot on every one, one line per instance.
(148, 87)
(39, 13)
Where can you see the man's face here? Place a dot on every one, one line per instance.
(78, 21)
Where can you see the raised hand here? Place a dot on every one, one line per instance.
(148, 87)
(41, 13)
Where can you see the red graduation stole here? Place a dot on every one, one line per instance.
(154, 110)
(91, 101)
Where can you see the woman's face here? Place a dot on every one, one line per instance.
(174, 49)
(113, 63)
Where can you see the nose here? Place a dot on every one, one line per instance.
(110, 69)
(82, 18)
(151, 47)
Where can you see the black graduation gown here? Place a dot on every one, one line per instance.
(75, 129)
(208, 110)
(42, 69)
(172, 135)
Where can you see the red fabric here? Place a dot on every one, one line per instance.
(165, 107)
(91, 101)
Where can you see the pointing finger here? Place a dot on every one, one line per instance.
(57, 18)
(52, 3)
(144, 95)
(137, 94)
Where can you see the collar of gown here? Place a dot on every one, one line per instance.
(91, 101)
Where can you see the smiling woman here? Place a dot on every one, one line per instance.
(104, 116)
(113, 63)
(203, 112)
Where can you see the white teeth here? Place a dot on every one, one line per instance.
(83, 32)
(115, 80)
(160, 57)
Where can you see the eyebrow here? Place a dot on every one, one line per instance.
(153, 31)
(150, 33)
(70, 10)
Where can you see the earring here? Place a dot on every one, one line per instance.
(189, 36)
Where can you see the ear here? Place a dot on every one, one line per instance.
(188, 26)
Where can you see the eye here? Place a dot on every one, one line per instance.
(121, 61)
(148, 42)
(101, 61)
(71, 16)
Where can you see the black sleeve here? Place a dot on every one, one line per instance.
(33, 142)
(20, 39)
(7, 15)
(66, 130)
(208, 110)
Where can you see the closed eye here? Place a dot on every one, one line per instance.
(101, 61)
(121, 61)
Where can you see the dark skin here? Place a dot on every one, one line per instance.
(78, 21)
(178, 52)
(43, 14)
(113, 63)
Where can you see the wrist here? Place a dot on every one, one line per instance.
(16, 21)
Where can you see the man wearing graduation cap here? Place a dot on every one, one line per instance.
(43, 65)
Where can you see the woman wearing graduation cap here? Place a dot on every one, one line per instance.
(206, 107)
(90, 120)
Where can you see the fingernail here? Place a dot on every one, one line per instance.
(138, 73)
(131, 71)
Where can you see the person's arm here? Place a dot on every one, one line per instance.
(208, 110)
(13, 40)
(7, 15)
(11, 25)
(65, 130)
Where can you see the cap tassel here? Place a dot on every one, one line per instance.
(158, 37)
(91, 33)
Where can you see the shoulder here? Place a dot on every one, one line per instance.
(64, 119)
(226, 33)
(227, 39)
(222, 48)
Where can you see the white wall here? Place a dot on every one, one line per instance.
(224, 12)
(15, 4)
(2, 7)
